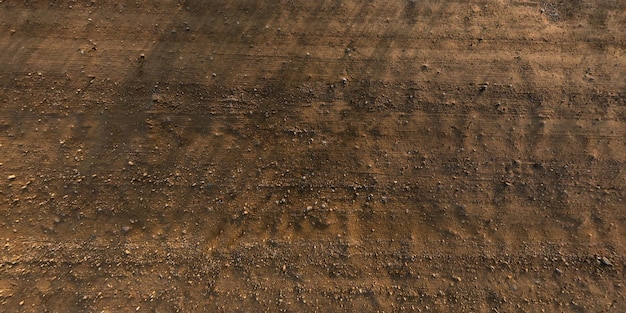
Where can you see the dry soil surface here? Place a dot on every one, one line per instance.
(302, 156)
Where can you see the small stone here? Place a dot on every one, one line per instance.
(605, 261)
(11, 177)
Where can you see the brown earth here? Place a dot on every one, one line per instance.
(302, 156)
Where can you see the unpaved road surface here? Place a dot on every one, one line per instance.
(302, 156)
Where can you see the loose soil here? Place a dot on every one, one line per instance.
(312, 156)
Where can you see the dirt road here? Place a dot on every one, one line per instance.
(312, 156)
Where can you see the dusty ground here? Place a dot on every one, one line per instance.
(302, 156)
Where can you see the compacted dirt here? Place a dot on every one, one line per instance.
(303, 156)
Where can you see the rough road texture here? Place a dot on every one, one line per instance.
(301, 156)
